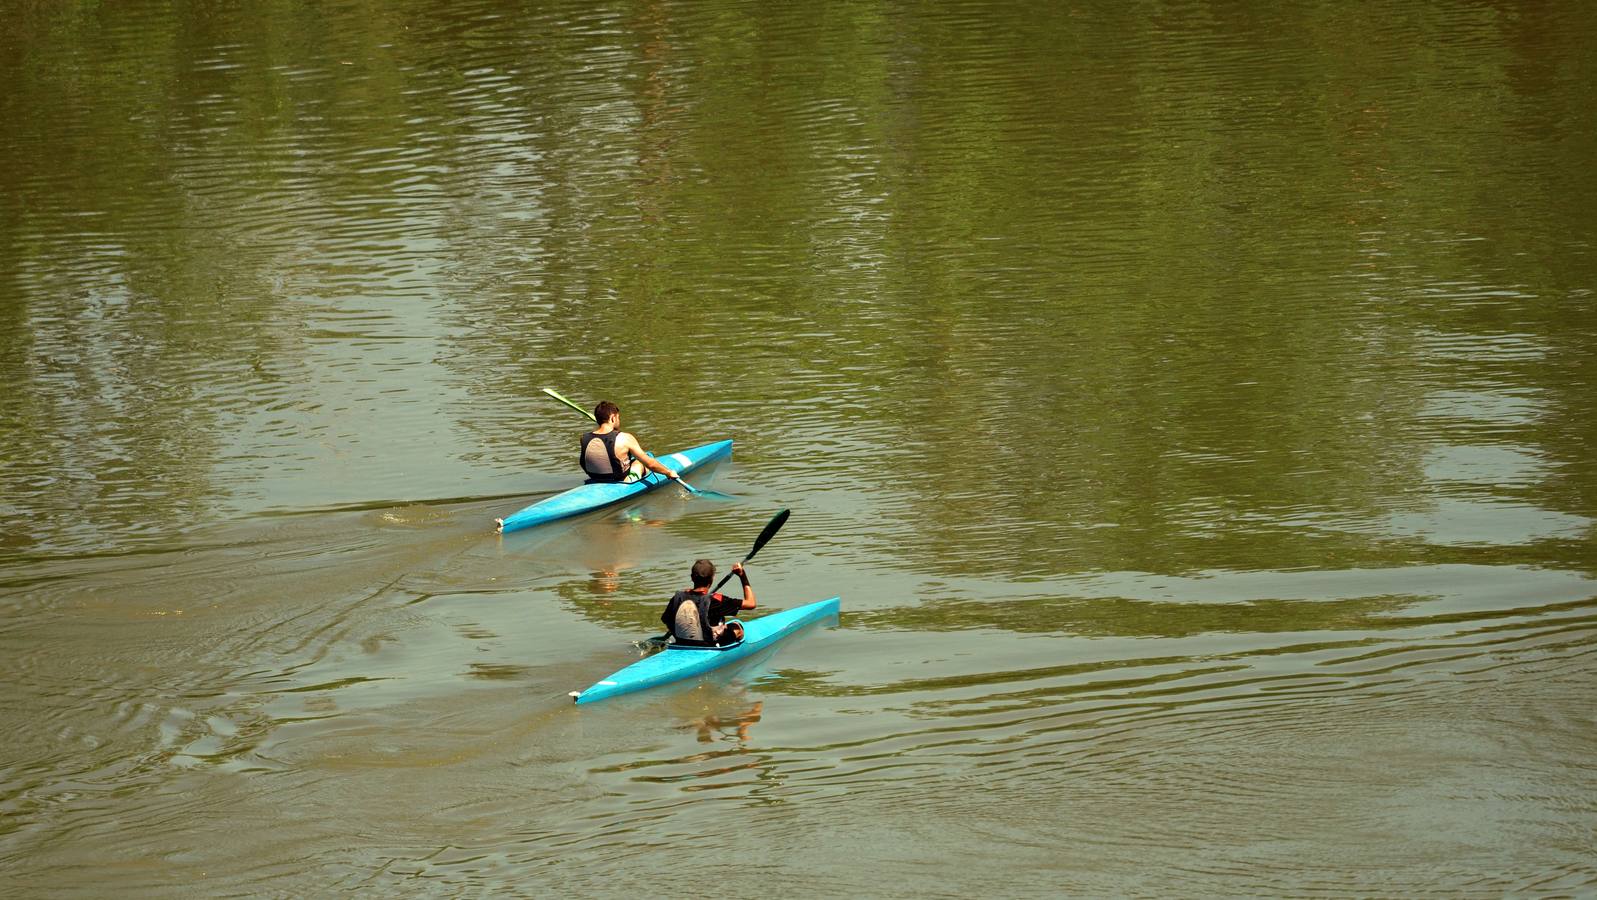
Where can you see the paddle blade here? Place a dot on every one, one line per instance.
(587, 413)
(771, 528)
(706, 493)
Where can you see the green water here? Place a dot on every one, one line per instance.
(1193, 405)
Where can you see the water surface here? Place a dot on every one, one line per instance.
(1193, 407)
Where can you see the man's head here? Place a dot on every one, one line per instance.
(703, 573)
(603, 412)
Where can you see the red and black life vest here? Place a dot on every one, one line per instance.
(705, 603)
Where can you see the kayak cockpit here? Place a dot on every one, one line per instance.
(732, 646)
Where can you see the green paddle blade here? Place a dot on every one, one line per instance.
(705, 493)
(586, 413)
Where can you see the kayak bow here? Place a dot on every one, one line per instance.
(588, 497)
(677, 662)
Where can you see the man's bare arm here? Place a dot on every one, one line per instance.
(635, 450)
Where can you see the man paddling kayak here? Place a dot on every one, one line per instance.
(610, 454)
(697, 616)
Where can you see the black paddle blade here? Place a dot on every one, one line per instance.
(771, 528)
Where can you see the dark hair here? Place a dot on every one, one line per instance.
(703, 571)
(603, 412)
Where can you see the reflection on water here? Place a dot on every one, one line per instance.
(712, 728)
(1192, 406)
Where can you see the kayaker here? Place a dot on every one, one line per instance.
(696, 616)
(610, 454)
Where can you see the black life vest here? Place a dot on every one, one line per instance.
(702, 602)
(617, 471)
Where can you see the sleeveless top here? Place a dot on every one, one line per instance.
(688, 617)
(600, 460)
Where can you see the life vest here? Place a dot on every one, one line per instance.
(687, 617)
(595, 458)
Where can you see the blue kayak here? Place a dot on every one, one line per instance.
(677, 662)
(587, 497)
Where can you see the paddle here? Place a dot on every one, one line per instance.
(588, 414)
(770, 530)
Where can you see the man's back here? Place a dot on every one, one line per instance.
(601, 456)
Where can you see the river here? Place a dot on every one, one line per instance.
(1194, 405)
